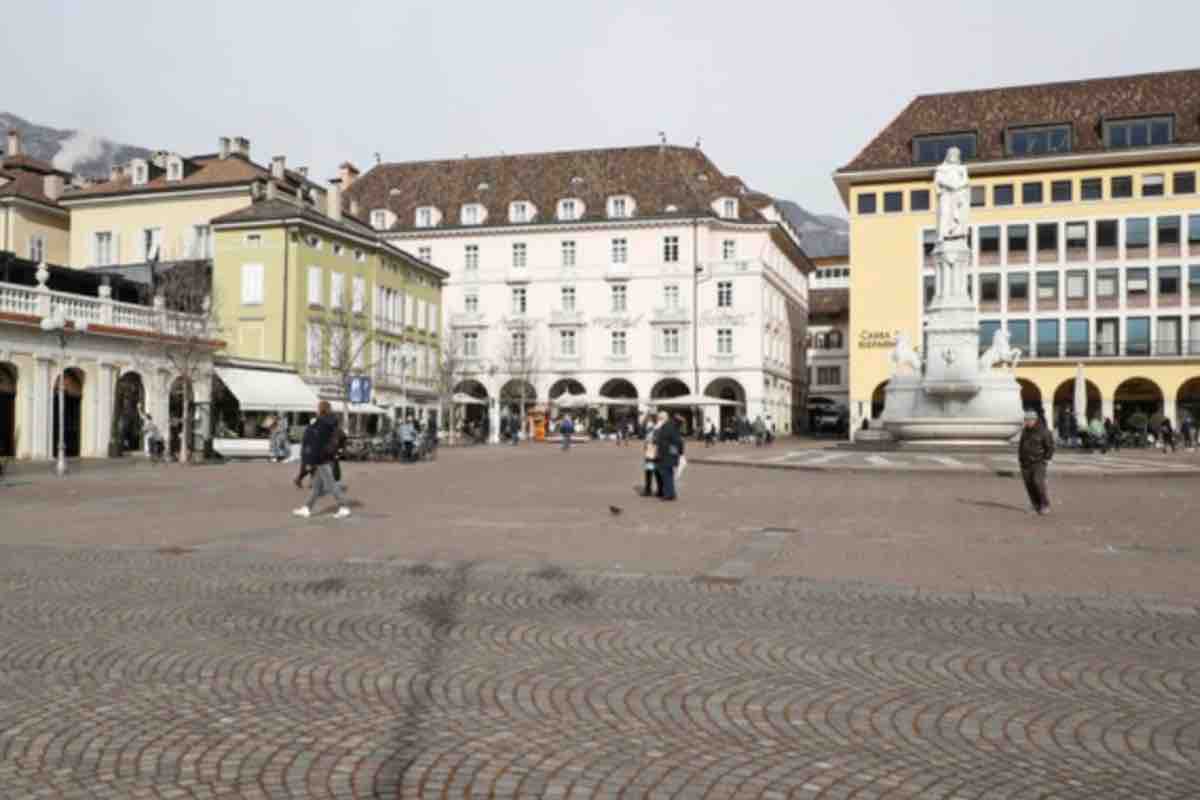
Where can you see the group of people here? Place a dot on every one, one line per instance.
(662, 455)
(1104, 434)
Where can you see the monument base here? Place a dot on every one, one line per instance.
(988, 411)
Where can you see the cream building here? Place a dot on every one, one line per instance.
(34, 224)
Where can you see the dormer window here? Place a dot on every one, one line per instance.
(520, 211)
(473, 214)
(570, 209)
(140, 171)
(1038, 141)
(932, 149)
(426, 217)
(174, 168)
(484, 186)
(378, 219)
(1139, 132)
(620, 207)
(728, 208)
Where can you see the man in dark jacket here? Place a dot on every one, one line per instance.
(668, 444)
(1034, 452)
(318, 452)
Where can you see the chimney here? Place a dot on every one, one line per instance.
(223, 146)
(348, 173)
(353, 207)
(278, 167)
(52, 187)
(303, 171)
(241, 146)
(270, 190)
(14, 143)
(334, 198)
(115, 172)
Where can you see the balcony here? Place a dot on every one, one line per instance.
(676, 315)
(669, 361)
(566, 318)
(1164, 348)
(103, 311)
(517, 275)
(468, 319)
(722, 360)
(618, 272)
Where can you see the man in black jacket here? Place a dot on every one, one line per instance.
(1034, 452)
(668, 444)
(318, 452)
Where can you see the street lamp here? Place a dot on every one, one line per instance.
(57, 323)
(407, 353)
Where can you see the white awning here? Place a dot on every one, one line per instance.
(265, 390)
(339, 406)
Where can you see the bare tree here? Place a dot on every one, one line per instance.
(185, 335)
(348, 341)
(449, 371)
(521, 358)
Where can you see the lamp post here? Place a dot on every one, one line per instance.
(57, 323)
(407, 353)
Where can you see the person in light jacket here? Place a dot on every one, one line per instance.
(668, 447)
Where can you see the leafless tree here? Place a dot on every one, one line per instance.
(449, 369)
(348, 341)
(521, 358)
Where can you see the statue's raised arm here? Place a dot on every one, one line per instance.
(953, 196)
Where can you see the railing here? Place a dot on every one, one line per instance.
(75, 307)
(676, 314)
(127, 315)
(41, 302)
(18, 299)
(1145, 348)
(560, 317)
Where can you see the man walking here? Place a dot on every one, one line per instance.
(1034, 452)
(567, 429)
(319, 451)
(668, 447)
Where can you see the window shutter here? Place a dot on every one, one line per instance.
(190, 249)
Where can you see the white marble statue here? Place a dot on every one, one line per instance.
(904, 356)
(953, 196)
(1001, 352)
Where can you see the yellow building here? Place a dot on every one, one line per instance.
(1085, 230)
(33, 223)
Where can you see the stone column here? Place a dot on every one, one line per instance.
(1107, 408)
(1170, 412)
(107, 377)
(494, 419)
(43, 407)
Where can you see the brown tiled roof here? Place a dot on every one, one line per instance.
(203, 171)
(828, 301)
(1083, 104)
(657, 177)
(25, 177)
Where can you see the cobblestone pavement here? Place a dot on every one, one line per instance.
(127, 673)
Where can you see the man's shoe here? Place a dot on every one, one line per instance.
(302, 511)
(342, 513)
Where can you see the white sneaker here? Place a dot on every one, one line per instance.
(342, 513)
(302, 511)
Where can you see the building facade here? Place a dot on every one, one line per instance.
(634, 273)
(829, 331)
(1085, 236)
(33, 223)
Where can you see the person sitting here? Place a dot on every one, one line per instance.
(280, 448)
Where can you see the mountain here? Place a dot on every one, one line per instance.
(821, 235)
(73, 151)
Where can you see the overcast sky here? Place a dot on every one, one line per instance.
(780, 93)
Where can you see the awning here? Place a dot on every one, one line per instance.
(266, 390)
(687, 400)
(339, 406)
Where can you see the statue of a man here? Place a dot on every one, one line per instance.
(953, 196)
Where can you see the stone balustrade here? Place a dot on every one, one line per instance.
(38, 301)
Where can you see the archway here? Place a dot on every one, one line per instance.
(1187, 401)
(8, 410)
(878, 400)
(129, 398)
(72, 414)
(566, 386)
(1064, 399)
(620, 389)
(472, 418)
(727, 389)
(673, 387)
(1136, 398)
(517, 397)
(1031, 396)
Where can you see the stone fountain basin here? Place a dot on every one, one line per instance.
(951, 388)
(949, 429)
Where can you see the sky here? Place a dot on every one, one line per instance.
(781, 94)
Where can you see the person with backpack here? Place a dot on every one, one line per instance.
(318, 454)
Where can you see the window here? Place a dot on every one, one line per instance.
(151, 243)
(1120, 186)
(1047, 241)
(139, 173)
(37, 249)
(518, 300)
(1137, 237)
(360, 256)
(519, 255)
(1194, 284)
(1137, 336)
(1137, 287)
(470, 340)
(725, 341)
(728, 249)
(1107, 233)
(724, 294)
(1183, 183)
(1047, 287)
(1194, 234)
(471, 257)
(978, 196)
(1077, 240)
(1018, 334)
(1153, 185)
(893, 202)
(866, 203)
(918, 200)
(1047, 338)
(670, 341)
(1077, 337)
(566, 344)
(928, 242)
(618, 207)
(252, 284)
(1031, 192)
(378, 219)
(338, 249)
(519, 212)
(314, 345)
(516, 344)
(1018, 244)
(618, 295)
(1142, 132)
(425, 253)
(989, 288)
(1002, 194)
(358, 295)
(568, 253)
(987, 330)
(671, 295)
(568, 209)
(471, 302)
(1038, 141)
(1168, 282)
(1077, 285)
(1018, 288)
(1091, 189)
(174, 170)
(671, 249)
(933, 149)
(1060, 191)
(620, 251)
(829, 376)
(729, 208)
(471, 214)
(567, 294)
(253, 240)
(1167, 336)
(1107, 336)
(1106, 284)
(616, 343)
(314, 286)
(425, 217)
(314, 242)
(1167, 235)
(929, 283)
(989, 244)
(337, 289)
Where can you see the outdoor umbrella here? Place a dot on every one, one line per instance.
(689, 400)
(462, 399)
(1080, 398)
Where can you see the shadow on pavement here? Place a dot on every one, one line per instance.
(993, 504)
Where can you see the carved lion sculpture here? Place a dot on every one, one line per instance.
(903, 355)
(1001, 352)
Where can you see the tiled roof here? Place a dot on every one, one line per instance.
(203, 171)
(657, 177)
(25, 177)
(828, 301)
(1084, 104)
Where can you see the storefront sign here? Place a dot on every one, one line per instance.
(877, 338)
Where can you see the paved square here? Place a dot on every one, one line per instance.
(487, 626)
